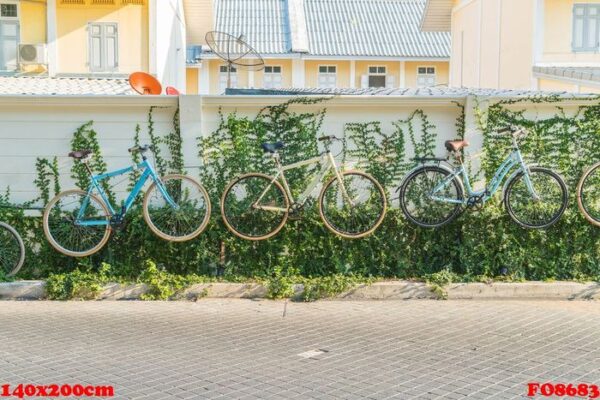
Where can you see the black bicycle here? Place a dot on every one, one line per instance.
(12, 250)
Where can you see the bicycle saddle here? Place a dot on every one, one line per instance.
(79, 154)
(456, 145)
(272, 147)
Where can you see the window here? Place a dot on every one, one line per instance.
(9, 10)
(104, 47)
(377, 76)
(223, 77)
(586, 24)
(272, 77)
(425, 76)
(327, 76)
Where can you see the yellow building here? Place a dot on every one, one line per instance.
(317, 44)
(520, 44)
(93, 39)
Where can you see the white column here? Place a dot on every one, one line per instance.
(152, 62)
(190, 123)
(52, 46)
(352, 74)
(538, 38)
(204, 79)
(402, 83)
(298, 73)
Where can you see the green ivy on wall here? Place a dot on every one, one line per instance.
(476, 246)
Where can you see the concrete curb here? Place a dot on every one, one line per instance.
(388, 290)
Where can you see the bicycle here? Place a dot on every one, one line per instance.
(433, 194)
(79, 223)
(588, 194)
(256, 206)
(12, 250)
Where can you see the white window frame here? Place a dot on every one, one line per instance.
(270, 84)
(585, 20)
(14, 2)
(426, 75)
(223, 77)
(104, 68)
(384, 73)
(324, 78)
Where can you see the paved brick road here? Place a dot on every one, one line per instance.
(247, 349)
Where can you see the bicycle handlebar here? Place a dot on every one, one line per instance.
(515, 131)
(329, 138)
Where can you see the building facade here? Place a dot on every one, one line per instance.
(91, 38)
(317, 44)
(520, 44)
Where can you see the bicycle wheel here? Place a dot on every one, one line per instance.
(241, 207)
(12, 250)
(66, 229)
(588, 194)
(529, 212)
(183, 220)
(416, 200)
(357, 212)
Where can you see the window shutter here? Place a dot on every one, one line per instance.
(112, 47)
(95, 32)
(364, 81)
(389, 81)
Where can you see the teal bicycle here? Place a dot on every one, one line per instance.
(433, 194)
(78, 223)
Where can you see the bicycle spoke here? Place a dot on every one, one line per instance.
(355, 207)
(543, 210)
(242, 204)
(64, 221)
(181, 216)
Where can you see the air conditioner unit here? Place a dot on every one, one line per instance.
(32, 54)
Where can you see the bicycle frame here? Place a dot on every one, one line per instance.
(148, 173)
(514, 159)
(327, 163)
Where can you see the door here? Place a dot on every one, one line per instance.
(9, 41)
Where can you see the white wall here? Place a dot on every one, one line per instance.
(32, 127)
(168, 43)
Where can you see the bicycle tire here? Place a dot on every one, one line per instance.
(228, 219)
(340, 231)
(453, 212)
(152, 224)
(58, 246)
(580, 195)
(15, 238)
(551, 221)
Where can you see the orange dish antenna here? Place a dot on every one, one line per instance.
(144, 83)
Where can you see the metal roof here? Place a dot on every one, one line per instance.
(345, 28)
(372, 28)
(434, 91)
(44, 86)
(264, 23)
(584, 74)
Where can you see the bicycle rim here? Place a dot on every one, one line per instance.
(184, 215)
(588, 195)
(536, 213)
(241, 207)
(417, 204)
(355, 209)
(12, 250)
(67, 235)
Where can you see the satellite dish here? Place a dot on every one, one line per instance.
(144, 83)
(171, 91)
(235, 51)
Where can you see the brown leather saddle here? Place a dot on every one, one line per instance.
(456, 145)
(79, 154)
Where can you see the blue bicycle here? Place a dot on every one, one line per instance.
(433, 194)
(78, 223)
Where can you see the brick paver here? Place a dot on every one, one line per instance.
(241, 349)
